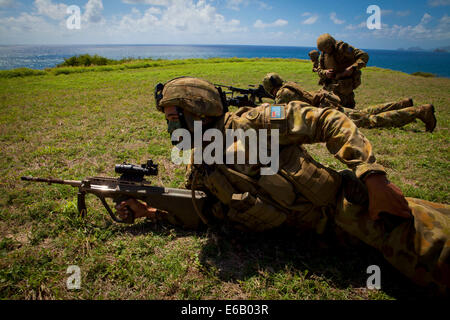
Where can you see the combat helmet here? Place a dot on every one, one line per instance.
(325, 41)
(272, 81)
(194, 95)
(314, 54)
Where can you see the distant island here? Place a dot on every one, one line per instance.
(418, 49)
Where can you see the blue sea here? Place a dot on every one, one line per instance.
(40, 57)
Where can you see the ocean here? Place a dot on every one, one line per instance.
(40, 57)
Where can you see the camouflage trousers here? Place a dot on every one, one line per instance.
(417, 247)
(387, 115)
(344, 90)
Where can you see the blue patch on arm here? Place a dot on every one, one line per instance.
(276, 112)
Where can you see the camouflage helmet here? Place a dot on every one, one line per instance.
(272, 81)
(325, 41)
(194, 95)
(314, 54)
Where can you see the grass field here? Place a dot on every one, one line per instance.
(80, 124)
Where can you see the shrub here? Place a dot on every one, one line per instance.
(423, 74)
(86, 60)
(21, 72)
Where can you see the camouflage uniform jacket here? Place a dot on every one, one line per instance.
(342, 57)
(302, 188)
(306, 195)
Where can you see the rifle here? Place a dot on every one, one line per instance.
(248, 96)
(178, 204)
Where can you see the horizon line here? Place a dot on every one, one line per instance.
(243, 45)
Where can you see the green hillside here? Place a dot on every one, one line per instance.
(75, 122)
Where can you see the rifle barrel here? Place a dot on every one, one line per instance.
(73, 183)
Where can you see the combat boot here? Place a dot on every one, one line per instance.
(426, 114)
(407, 102)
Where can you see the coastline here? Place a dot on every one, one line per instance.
(149, 63)
(48, 56)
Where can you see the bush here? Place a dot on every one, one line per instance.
(87, 60)
(423, 74)
(21, 72)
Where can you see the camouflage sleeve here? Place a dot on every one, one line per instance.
(284, 96)
(321, 67)
(351, 53)
(308, 124)
(315, 66)
(300, 123)
(361, 58)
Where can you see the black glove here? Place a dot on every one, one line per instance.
(355, 191)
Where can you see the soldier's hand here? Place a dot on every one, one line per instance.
(348, 72)
(329, 73)
(384, 196)
(139, 209)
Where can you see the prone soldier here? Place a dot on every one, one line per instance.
(412, 234)
(386, 115)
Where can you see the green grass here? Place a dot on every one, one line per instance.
(81, 121)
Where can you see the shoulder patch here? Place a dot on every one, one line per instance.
(277, 112)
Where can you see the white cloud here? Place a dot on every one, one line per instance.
(234, 4)
(182, 21)
(425, 19)
(278, 23)
(237, 4)
(7, 3)
(420, 32)
(93, 11)
(137, 21)
(311, 20)
(362, 25)
(27, 25)
(263, 5)
(181, 17)
(334, 18)
(196, 17)
(438, 3)
(48, 8)
(154, 10)
(151, 2)
(306, 14)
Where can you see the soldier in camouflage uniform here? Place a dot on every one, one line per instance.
(386, 115)
(412, 234)
(314, 56)
(339, 68)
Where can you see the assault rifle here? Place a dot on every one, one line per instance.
(247, 97)
(178, 204)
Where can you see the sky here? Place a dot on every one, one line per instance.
(404, 24)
